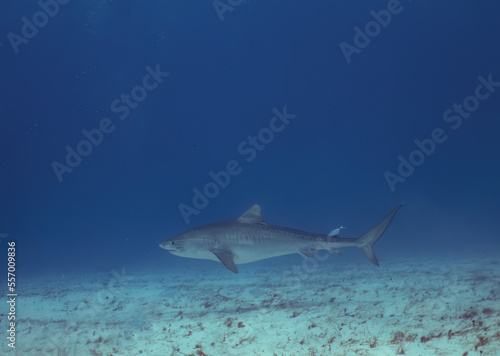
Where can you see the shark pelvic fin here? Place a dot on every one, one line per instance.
(227, 259)
(335, 251)
(252, 216)
(309, 252)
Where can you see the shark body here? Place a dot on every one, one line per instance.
(249, 239)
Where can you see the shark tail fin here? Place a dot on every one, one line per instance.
(368, 239)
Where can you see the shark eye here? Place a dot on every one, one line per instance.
(173, 243)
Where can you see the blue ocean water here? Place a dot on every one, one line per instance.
(124, 123)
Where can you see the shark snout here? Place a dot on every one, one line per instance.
(169, 245)
(165, 245)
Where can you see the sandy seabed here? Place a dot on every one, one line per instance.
(421, 306)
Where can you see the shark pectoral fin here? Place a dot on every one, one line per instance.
(307, 252)
(227, 259)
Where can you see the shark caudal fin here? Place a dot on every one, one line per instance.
(368, 239)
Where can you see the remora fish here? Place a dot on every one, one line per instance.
(249, 238)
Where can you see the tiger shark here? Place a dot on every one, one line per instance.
(249, 239)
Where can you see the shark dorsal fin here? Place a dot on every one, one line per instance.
(252, 216)
(227, 259)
